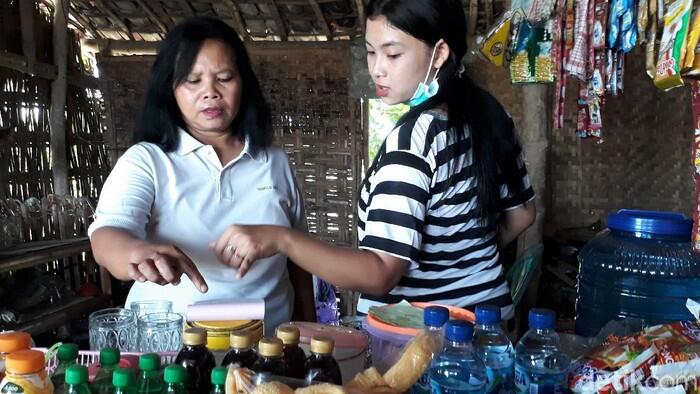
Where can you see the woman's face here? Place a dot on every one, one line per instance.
(397, 61)
(210, 95)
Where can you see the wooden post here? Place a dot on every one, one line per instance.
(59, 88)
(534, 136)
(26, 12)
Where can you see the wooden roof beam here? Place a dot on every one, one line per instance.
(321, 19)
(113, 17)
(237, 19)
(186, 8)
(84, 22)
(360, 13)
(152, 16)
(278, 19)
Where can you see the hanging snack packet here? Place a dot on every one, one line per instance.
(672, 46)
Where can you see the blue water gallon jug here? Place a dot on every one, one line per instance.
(640, 267)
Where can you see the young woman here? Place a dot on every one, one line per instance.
(447, 188)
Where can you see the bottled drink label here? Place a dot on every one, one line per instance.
(527, 382)
(499, 380)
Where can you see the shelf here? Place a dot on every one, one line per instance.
(43, 320)
(32, 253)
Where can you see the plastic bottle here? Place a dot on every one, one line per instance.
(494, 348)
(218, 380)
(149, 380)
(12, 342)
(241, 352)
(457, 369)
(270, 357)
(26, 373)
(76, 381)
(109, 360)
(67, 355)
(197, 360)
(540, 365)
(434, 319)
(294, 356)
(123, 381)
(321, 363)
(175, 376)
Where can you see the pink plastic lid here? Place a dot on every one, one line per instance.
(344, 337)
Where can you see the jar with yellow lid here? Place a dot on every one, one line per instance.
(241, 352)
(270, 357)
(26, 373)
(294, 356)
(321, 363)
(197, 360)
(219, 332)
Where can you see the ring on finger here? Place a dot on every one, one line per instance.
(229, 250)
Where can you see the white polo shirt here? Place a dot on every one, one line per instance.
(188, 199)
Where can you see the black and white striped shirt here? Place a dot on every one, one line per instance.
(405, 210)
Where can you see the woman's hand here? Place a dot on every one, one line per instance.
(163, 264)
(240, 246)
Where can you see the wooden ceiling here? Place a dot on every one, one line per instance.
(270, 20)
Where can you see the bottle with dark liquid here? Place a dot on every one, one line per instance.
(294, 356)
(270, 357)
(241, 352)
(197, 360)
(321, 362)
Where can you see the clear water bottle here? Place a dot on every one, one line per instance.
(540, 364)
(457, 369)
(494, 348)
(434, 318)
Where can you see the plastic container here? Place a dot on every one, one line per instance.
(540, 363)
(123, 381)
(387, 341)
(12, 342)
(149, 380)
(350, 345)
(109, 360)
(218, 380)
(434, 319)
(494, 348)
(219, 332)
(76, 381)
(175, 377)
(641, 267)
(457, 369)
(25, 373)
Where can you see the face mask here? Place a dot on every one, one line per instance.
(424, 92)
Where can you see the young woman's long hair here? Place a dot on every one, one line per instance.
(160, 115)
(495, 148)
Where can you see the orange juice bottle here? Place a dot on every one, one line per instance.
(26, 373)
(12, 342)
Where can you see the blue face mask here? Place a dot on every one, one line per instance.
(424, 92)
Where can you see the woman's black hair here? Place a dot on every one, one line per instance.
(160, 114)
(495, 147)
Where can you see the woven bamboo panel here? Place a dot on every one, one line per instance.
(313, 120)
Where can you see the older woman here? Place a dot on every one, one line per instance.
(202, 160)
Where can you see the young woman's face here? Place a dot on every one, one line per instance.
(210, 95)
(397, 61)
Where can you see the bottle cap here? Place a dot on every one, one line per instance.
(288, 334)
(194, 337)
(322, 345)
(270, 347)
(149, 362)
(76, 375)
(435, 316)
(459, 331)
(487, 314)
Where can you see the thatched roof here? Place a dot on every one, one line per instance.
(271, 20)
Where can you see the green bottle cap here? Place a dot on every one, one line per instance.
(76, 375)
(218, 376)
(149, 362)
(175, 374)
(122, 378)
(67, 352)
(109, 356)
